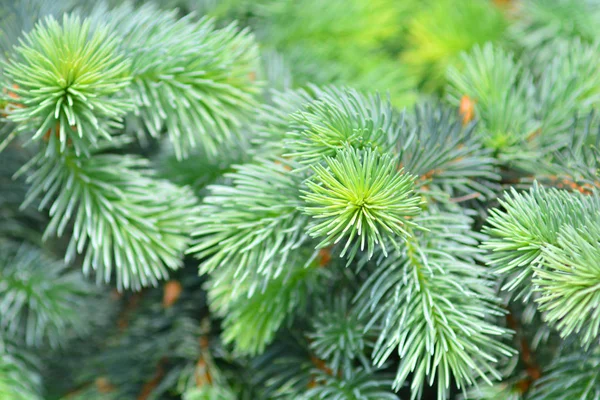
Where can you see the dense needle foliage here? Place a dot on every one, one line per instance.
(299, 199)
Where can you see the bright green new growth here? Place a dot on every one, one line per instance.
(546, 243)
(124, 220)
(360, 195)
(66, 80)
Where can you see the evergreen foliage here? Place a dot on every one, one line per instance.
(299, 199)
(61, 82)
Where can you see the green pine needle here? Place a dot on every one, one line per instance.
(64, 79)
(360, 195)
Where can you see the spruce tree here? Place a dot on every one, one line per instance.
(298, 199)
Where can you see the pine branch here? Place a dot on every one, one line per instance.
(41, 301)
(502, 92)
(437, 308)
(19, 379)
(360, 195)
(66, 79)
(449, 160)
(274, 119)
(252, 318)
(568, 282)
(340, 118)
(188, 78)
(338, 335)
(253, 226)
(529, 222)
(569, 85)
(571, 376)
(123, 218)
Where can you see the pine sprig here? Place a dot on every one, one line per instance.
(567, 282)
(253, 317)
(447, 158)
(360, 195)
(359, 384)
(254, 226)
(124, 220)
(528, 222)
(571, 376)
(41, 301)
(502, 92)
(19, 378)
(338, 336)
(437, 308)
(189, 78)
(568, 86)
(340, 118)
(68, 81)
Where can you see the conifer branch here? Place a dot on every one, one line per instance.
(123, 218)
(341, 118)
(528, 223)
(568, 282)
(437, 308)
(571, 376)
(68, 81)
(41, 301)
(19, 378)
(189, 78)
(254, 226)
(361, 196)
(502, 91)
